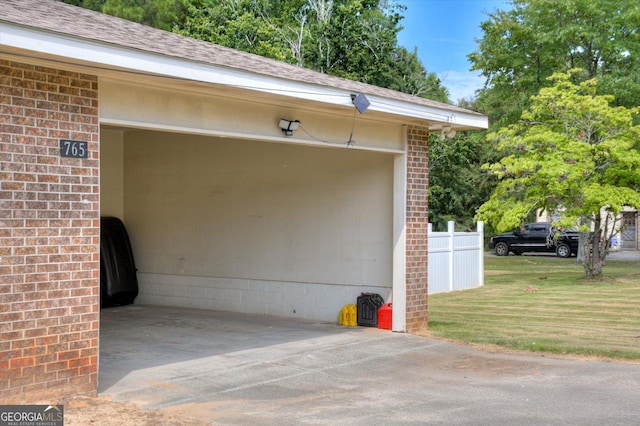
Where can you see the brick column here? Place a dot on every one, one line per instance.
(417, 228)
(49, 235)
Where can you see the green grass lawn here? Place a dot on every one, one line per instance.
(541, 303)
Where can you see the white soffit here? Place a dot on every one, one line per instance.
(109, 57)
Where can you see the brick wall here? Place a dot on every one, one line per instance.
(417, 228)
(49, 235)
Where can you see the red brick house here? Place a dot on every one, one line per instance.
(224, 209)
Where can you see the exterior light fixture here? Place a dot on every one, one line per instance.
(448, 132)
(361, 102)
(289, 126)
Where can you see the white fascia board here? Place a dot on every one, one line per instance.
(107, 56)
(449, 118)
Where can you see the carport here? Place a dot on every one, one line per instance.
(265, 223)
(226, 211)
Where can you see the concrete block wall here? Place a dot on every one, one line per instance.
(314, 301)
(417, 229)
(49, 235)
(256, 227)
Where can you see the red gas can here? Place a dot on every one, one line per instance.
(385, 314)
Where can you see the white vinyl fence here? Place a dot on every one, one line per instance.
(456, 259)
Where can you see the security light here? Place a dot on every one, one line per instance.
(289, 126)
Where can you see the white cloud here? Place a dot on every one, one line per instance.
(461, 84)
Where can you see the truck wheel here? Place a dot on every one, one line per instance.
(502, 249)
(563, 250)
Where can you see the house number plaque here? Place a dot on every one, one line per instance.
(73, 149)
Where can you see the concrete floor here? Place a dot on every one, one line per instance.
(238, 369)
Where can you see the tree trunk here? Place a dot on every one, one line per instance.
(593, 250)
(582, 243)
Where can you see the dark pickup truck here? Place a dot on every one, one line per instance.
(536, 237)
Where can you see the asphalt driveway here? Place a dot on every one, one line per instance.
(239, 369)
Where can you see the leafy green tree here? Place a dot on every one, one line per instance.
(246, 25)
(523, 46)
(571, 152)
(457, 183)
(87, 4)
(353, 39)
(164, 14)
(410, 76)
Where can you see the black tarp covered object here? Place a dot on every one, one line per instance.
(118, 280)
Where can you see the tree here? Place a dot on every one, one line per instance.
(353, 39)
(574, 153)
(457, 183)
(87, 4)
(523, 46)
(163, 14)
(246, 25)
(409, 76)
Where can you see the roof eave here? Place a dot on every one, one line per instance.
(108, 56)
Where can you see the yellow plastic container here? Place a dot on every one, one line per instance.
(348, 316)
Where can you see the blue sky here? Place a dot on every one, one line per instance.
(444, 31)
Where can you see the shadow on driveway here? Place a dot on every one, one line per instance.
(228, 368)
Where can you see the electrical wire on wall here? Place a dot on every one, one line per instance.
(353, 125)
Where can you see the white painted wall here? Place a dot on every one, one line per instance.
(137, 105)
(257, 227)
(111, 173)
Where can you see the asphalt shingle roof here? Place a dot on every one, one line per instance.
(61, 18)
